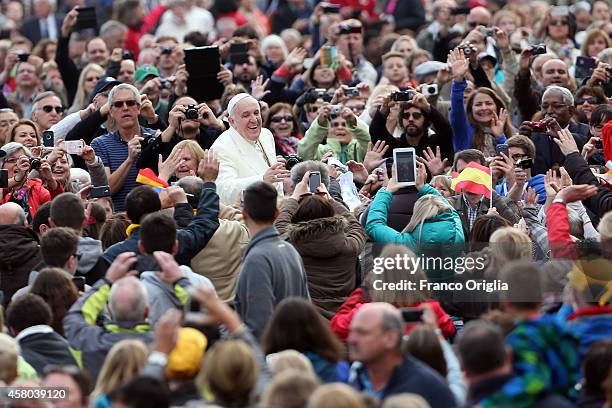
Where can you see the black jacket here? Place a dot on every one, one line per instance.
(443, 136)
(42, 349)
(580, 173)
(19, 254)
(548, 153)
(67, 68)
(31, 28)
(408, 14)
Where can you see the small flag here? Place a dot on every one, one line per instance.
(607, 176)
(474, 178)
(148, 177)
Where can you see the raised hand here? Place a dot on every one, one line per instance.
(208, 168)
(566, 142)
(295, 59)
(167, 168)
(459, 64)
(552, 183)
(121, 267)
(531, 198)
(577, 193)
(589, 149)
(498, 122)
(276, 173)
(258, 87)
(434, 161)
(375, 155)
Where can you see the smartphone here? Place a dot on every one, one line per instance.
(203, 64)
(411, 314)
(3, 178)
(239, 53)
(86, 19)
(328, 54)
(79, 281)
(100, 192)
(73, 146)
(502, 148)
(314, 181)
(405, 166)
(48, 138)
(585, 66)
(193, 310)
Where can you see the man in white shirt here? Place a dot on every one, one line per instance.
(246, 151)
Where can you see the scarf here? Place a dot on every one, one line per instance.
(286, 144)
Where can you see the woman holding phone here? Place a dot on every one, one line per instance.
(434, 220)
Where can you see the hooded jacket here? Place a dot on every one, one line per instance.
(41, 346)
(19, 254)
(329, 248)
(444, 228)
(163, 296)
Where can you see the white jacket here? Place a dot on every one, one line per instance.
(241, 163)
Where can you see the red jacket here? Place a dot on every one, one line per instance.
(148, 23)
(341, 321)
(561, 244)
(606, 138)
(37, 195)
(367, 5)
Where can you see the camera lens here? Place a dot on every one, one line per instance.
(431, 90)
(34, 163)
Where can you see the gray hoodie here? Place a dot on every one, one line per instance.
(163, 296)
(90, 250)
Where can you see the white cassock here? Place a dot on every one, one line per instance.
(243, 162)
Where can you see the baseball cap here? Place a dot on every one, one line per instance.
(104, 84)
(184, 359)
(2, 153)
(144, 71)
(427, 68)
(485, 56)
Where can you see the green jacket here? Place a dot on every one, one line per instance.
(311, 147)
(444, 228)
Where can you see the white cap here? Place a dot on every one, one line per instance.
(231, 106)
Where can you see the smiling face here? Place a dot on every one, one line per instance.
(558, 28)
(483, 108)
(61, 169)
(323, 76)
(281, 123)
(26, 135)
(586, 104)
(7, 119)
(554, 72)
(246, 119)
(596, 45)
(601, 11)
(442, 189)
(395, 70)
(274, 53)
(340, 131)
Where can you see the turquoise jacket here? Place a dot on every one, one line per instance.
(444, 228)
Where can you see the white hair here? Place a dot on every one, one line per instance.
(132, 310)
(568, 98)
(131, 88)
(273, 39)
(12, 147)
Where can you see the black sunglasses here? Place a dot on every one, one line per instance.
(279, 119)
(49, 108)
(119, 104)
(415, 115)
(590, 101)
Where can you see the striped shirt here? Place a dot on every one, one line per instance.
(113, 152)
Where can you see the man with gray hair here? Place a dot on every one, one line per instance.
(114, 34)
(128, 304)
(120, 150)
(381, 369)
(19, 250)
(47, 110)
(557, 110)
(246, 151)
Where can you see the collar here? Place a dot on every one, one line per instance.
(38, 329)
(473, 207)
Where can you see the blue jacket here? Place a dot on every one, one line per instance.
(462, 130)
(444, 228)
(536, 182)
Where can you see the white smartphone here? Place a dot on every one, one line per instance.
(73, 146)
(404, 160)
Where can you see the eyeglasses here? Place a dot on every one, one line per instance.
(339, 124)
(279, 119)
(129, 103)
(415, 115)
(558, 22)
(519, 156)
(12, 160)
(554, 106)
(92, 79)
(590, 101)
(49, 108)
(357, 107)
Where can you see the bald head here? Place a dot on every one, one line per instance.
(479, 16)
(554, 72)
(12, 214)
(128, 300)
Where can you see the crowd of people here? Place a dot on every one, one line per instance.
(271, 247)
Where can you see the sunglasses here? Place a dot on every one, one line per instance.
(279, 119)
(558, 22)
(129, 103)
(49, 108)
(590, 101)
(338, 124)
(356, 107)
(415, 115)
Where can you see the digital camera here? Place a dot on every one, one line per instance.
(191, 112)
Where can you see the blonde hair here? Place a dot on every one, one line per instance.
(125, 360)
(192, 147)
(398, 298)
(9, 355)
(290, 390)
(444, 180)
(230, 372)
(406, 400)
(405, 38)
(512, 244)
(425, 208)
(81, 99)
(335, 395)
(288, 360)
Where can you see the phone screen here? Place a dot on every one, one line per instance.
(405, 165)
(314, 181)
(3, 178)
(79, 281)
(502, 148)
(48, 138)
(585, 66)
